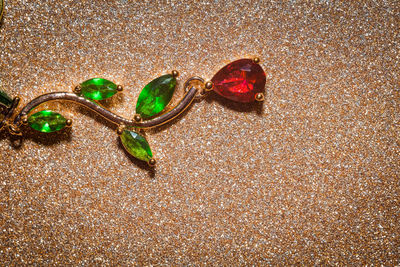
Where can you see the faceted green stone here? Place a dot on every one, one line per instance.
(98, 89)
(136, 145)
(5, 99)
(155, 96)
(47, 121)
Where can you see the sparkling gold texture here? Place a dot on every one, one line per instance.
(308, 176)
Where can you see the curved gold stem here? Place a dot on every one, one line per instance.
(10, 112)
(114, 118)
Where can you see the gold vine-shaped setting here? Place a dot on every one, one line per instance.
(242, 81)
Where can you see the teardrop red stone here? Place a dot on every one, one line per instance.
(240, 80)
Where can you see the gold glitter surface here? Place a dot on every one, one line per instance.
(310, 176)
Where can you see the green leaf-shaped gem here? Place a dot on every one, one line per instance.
(47, 121)
(98, 89)
(155, 96)
(5, 99)
(136, 145)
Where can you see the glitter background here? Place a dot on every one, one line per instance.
(310, 176)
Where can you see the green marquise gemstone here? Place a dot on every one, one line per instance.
(5, 99)
(47, 121)
(98, 89)
(136, 145)
(155, 96)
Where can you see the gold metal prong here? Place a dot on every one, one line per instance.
(256, 60)
(78, 89)
(120, 129)
(120, 88)
(209, 85)
(137, 118)
(175, 73)
(14, 130)
(68, 122)
(152, 162)
(260, 97)
(24, 120)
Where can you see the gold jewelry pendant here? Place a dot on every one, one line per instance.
(242, 81)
